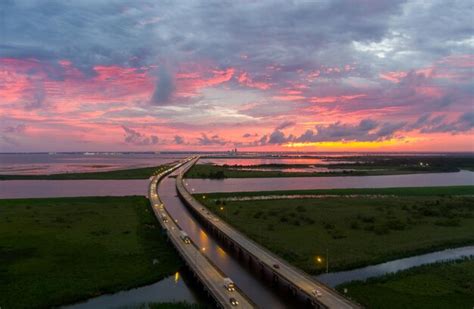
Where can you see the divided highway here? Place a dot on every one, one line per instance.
(211, 277)
(301, 285)
(255, 285)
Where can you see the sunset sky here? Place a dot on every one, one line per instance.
(367, 75)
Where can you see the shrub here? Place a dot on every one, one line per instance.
(301, 208)
(328, 226)
(381, 229)
(366, 219)
(448, 222)
(217, 175)
(337, 234)
(369, 227)
(355, 225)
(396, 224)
(272, 213)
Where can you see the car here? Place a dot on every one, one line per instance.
(229, 284)
(184, 237)
(233, 301)
(316, 293)
(276, 266)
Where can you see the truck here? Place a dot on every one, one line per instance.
(229, 284)
(184, 237)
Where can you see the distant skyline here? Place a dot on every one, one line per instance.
(363, 75)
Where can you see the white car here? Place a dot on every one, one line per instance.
(316, 293)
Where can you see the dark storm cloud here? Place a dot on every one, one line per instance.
(179, 140)
(285, 124)
(164, 88)
(364, 131)
(367, 130)
(204, 140)
(136, 138)
(438, 124)
(111, 32)
(278, 137)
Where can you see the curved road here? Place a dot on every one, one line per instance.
(296, 278)
(245, 277)
(209, 275)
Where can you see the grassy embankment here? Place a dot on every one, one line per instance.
(135, 173)
(441, 285)
(358, 226)
(362, 166)
(60, 250)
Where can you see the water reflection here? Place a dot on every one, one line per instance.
(302, 183)
(170, 289)
(43, 163)
(69, 188)
(257, 161)
(333, 279)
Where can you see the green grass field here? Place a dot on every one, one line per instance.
(442, 285)
(224, 171)
(59, 250)
(343, 166)
(403, 191)
(136, 173)
(358, 226)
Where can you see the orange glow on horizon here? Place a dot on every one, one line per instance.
(351, 145)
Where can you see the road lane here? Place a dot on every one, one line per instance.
(209, 275)
(247, 277)
(300, 280)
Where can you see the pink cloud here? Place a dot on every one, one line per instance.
(245, 79)
(189, 83)
(393, 77)
(331, 99)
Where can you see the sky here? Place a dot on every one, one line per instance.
(359, 75)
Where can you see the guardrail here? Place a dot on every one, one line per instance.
(315, 293)
(209, 275)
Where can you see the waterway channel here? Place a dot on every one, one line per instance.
(337, 182)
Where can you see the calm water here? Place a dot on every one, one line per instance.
(333, 279)
(309, 169)
(302, 183)
(171, 289)
(67, 188)
(43, 163)
(257, 161)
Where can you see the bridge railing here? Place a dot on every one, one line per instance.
(301, 281)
